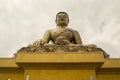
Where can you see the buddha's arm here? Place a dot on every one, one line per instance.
(77, 38)
(46, 37)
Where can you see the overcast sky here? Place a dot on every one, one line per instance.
(24, 21)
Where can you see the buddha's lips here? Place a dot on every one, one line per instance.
(62, 20)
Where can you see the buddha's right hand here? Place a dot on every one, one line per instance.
(38, 42)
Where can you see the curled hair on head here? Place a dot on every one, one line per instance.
(62, 13)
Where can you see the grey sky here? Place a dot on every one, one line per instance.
(24, 21)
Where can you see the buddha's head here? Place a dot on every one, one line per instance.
(62, 19)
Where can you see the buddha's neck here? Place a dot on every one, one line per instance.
(62, 26)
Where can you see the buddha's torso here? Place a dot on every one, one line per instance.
(66, 32)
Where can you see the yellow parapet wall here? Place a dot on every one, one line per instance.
(110, 70)
(59, 66)
(9, 70)
(8, 63)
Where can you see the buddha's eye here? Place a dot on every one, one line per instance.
(59, 16)
(64, 16)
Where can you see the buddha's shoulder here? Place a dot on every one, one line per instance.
(49, 30)
(72, 29)
(56, 29)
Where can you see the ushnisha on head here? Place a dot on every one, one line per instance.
(62, 19)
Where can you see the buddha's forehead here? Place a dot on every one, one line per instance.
(61, 14)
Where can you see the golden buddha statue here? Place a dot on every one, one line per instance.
(61, 35)
(63, 38)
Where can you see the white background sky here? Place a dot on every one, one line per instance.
(24, 21)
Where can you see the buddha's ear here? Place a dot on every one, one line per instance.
(56, 20)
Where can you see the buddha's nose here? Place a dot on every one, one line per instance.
(62, 19)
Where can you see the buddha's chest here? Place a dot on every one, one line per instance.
(61, 32)
(57, 32)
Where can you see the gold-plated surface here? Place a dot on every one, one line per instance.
(59, 65)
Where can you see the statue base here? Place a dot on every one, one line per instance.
(63, 48)
(60, 65)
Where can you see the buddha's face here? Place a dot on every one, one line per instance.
(62, 19)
